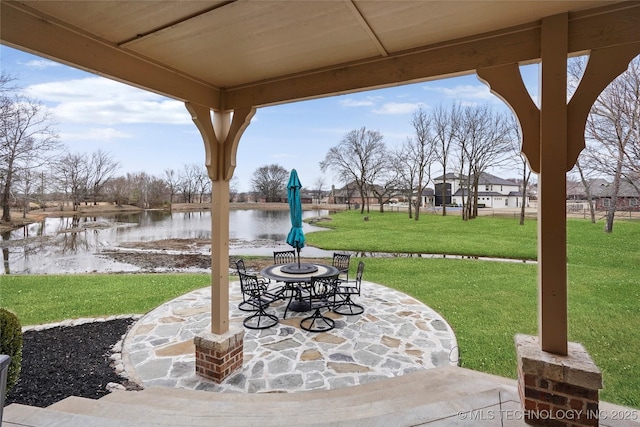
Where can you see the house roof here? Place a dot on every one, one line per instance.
(485, 179)
(488, 179)
(602, 188)
(229, 54)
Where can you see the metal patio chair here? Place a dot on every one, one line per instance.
(284, 257)
(289, 289)
(255, 295)
(246, 305)
(341, 262)
(343, 304)
(320, 296)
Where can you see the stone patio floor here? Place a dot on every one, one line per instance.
(395, 335)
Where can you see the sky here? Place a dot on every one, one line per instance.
(146, 132)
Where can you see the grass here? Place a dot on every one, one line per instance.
(395, 232)
(485, 302)
(49, 298)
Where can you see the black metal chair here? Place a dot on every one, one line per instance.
(343, 304)
(255, 295)
(284, 257)
(320, 296)
(289, 290)
(246, 305)
(341, 262)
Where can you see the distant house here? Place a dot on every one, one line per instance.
(601, 192)
(493, 192)
(350, 195)
(427, 198)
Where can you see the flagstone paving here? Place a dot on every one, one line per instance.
(395, 335)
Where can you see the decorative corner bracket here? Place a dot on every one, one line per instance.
(221, 136)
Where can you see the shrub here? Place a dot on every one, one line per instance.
(11, 344)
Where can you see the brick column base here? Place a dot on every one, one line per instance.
(217, 356)
(557, 390)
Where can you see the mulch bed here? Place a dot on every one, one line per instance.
(68, 361)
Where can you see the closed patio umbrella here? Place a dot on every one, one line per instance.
(295, 237)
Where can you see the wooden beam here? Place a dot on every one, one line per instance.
(506, 82)
(447, 59)
(603, 67)
(24, 30)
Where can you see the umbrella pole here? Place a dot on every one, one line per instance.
(298, 249)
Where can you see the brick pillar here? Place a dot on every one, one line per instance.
(557, 390)
(217, 356)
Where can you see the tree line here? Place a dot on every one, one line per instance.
(470, 140)
(37, 169)
(465, 140)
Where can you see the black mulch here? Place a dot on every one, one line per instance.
(68, 361)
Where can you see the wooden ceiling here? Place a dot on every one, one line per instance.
(239, 53)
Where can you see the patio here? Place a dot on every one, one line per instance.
(395, 335)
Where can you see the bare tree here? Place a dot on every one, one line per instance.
(587, 189)
(157, 192)
(421, 149)
(406, 172)
(613, 125)
(385, 185)
(270, 182)
(72, 177)
(318, 189)
(359, 156)
(139, 184)
(102, 167)
(27, 139)
(118, 190)
(202, 183)
(233, 188)
(445, 124)
(525, 170)
(171, 179)
(484, 142)
(612, 133)
(188, 181)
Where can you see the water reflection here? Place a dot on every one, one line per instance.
(73, 244)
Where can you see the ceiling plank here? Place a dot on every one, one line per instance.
(593, 29)
(450, 59)
(24, 30)
(366, 27)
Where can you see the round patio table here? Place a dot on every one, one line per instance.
(291, 274)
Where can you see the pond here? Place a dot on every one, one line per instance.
(74, 244)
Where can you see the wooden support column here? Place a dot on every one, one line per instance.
(221, 137)
(544, 133)
(552, 187)
(556, 377)
(550, 137)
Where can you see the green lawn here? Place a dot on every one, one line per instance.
(486, 302)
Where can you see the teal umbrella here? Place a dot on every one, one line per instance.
(295, 237)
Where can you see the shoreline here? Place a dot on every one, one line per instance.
(38, 215)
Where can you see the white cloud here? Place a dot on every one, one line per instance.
(101, 101)
(468, 93)
(96, 134)
(398, 108)
(40, 64)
